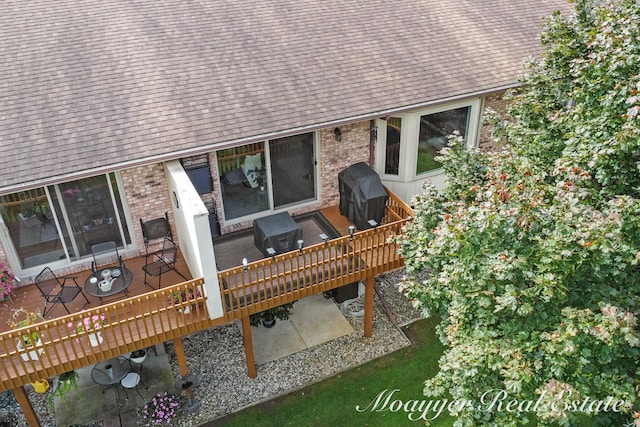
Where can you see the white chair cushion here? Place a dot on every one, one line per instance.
(131, 380)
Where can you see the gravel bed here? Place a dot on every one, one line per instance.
(217, 362)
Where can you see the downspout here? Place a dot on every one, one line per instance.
(373, 137)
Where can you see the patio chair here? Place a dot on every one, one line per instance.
(105, 255)
(133, 379)
(162, 261)
(58, 290)
(156, 229)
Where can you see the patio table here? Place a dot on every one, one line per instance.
(122, 278)
(110, 372)
(278, 231)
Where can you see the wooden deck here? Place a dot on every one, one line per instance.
(148, 317)
(30, 298)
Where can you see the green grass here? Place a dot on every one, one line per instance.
(333, 401)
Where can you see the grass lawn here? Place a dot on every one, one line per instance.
(333, 401)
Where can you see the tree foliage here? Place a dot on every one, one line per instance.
(533, 251)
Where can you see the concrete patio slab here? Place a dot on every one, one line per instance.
(273, 343)
(314, 321)
(319, 320)
(94, 402)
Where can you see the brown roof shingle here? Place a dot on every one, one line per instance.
(92, 84)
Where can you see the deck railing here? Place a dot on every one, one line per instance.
(129, 324)
(179, 310)
(271, 282)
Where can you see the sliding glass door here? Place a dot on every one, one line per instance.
(267, 176)
(60, 223)
(242, 180)
(292, 170)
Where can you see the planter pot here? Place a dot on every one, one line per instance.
(40, 386)
(96, 339)
(268, 321)
(139, 360)
(6, 296)
(31, 354)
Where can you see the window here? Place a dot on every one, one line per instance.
(242, 180)
(392, 151)
(62, 222)
(268, 175)
(408, 144)
(433, 135)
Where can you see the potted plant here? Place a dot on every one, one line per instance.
(28, 210)
(267, 318)
(138, 356)
(22, 318)
(92, 326)
(183, 296)
(67, 382)
(6, 281)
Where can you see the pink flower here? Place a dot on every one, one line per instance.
(89, 323)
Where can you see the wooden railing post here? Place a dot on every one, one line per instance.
(182, 362)
(29, 413)
(180, 355)
(248, 347)
(368, 306)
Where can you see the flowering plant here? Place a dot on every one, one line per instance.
(21, 318)
(94, 322)
(161, 409)
(6, 280)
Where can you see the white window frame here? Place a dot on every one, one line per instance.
(12, 255)
(271, 209)
(408, 182)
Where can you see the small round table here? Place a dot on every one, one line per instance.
(120, 282)
(110, 372)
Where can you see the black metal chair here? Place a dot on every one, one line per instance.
(162, 261)
(134, 378)
(105, 255)
(156, 229)
(58, 290)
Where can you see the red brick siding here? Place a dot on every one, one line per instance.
(498, 104)
(147, 195)
(335, 156)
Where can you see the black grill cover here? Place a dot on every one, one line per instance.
(362, 195)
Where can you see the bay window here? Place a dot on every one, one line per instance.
(408, 144)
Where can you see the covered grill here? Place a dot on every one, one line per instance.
(362, 195)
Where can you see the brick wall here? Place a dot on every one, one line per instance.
(337, 155)
(498, 104)
(147, 195)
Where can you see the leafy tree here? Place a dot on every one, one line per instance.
(532, 252)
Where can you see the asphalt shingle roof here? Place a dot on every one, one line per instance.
(88, 85)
